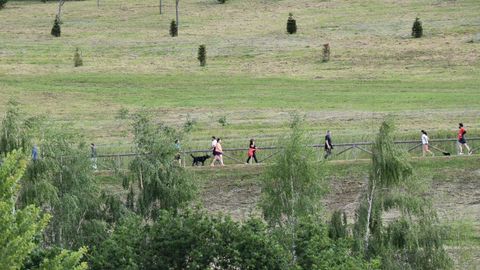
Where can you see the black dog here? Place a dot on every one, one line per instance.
(198, 160)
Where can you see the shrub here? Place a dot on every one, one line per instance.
(77, 59)
(221, 1)
(223, 120)
(2, 3)
(202, 55)
(291, 24)
(417, 28)
(56, 31)
(173, 29)
(326, 52)
(122, 113)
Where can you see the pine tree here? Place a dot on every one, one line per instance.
(173, 29)
(417, 28)
(3, 3)
(202, 55)
(77, 59)
(56, 31)
(291, 24)
(326, 53)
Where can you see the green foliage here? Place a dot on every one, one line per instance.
(291, 24)
(161, 182)
(77, 58)
(412, 241)
(17, 227)
(66, 260)
(63, 184)
(173, 29)
(122, 113)
(56, 31)
(202, 55)
(338, 225)
(390, 166)
(16, 132)
(417, 28)
(3, 3)
(189, 124)
(122, 250)
(291, 187)
(316, 250)
(223, 120)
(221, 1)
(195, 240)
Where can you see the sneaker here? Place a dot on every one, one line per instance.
(460, 154)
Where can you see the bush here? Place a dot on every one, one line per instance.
(291, 24)
(417, 28)
(56, 31)
(2, 3)
(202, 55)
(77, 59)
(221, 1)
(326, 52)
(173, 29)
(223, 120)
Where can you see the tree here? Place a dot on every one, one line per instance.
(18, 227)
(160, 6)
(202, 55)
(221, 1)
(177, 2)
(412, 241)
(3, 3)
(417, 28)
(59, 11)
(326, 53)
(16, 132)
(291, 24)
(173, 29)
(291, 188)
(162, 184)
(61, 182)
(56, 31)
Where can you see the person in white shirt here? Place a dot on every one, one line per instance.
(425, 143)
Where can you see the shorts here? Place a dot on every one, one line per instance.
(462, 141)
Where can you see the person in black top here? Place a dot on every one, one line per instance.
(328, 144)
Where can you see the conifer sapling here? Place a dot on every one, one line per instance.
(202, 55)
(326, 52)
(291, 24)
(173, 29)
(77, 59)
(56, 31)
(417, 28)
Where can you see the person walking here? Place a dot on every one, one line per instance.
(218, 153)
(178, 156)
(252, 149)
(425, 139)
(214, 143)
(462, 140)
(328, 145)
(35, 153)
(93, 155)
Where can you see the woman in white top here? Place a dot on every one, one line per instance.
(425, 143)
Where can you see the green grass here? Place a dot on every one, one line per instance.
(255, 74)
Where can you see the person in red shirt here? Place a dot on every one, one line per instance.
(462, 141)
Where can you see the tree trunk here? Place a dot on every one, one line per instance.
(59, 13)
(98, 3)
(369, 213)
(160, 6)
(176, 13)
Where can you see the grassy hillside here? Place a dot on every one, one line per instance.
(255, 75)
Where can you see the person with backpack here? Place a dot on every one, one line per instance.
(252, 149)
(462, 140)
(425, 139)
